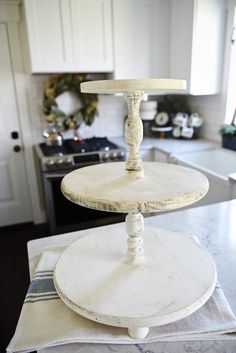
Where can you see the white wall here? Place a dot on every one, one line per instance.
(112, 110)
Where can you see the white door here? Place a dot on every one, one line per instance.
(14, 195)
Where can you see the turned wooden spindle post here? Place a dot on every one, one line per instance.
(134, 169)
(134, 134)
(134, 229)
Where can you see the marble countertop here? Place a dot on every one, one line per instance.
(171, 146)
(215, 226)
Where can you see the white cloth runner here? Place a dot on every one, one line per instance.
(45, 321)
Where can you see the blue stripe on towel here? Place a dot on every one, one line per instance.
(41, 288)
(41, 285)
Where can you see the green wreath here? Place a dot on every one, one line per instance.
(60, 83)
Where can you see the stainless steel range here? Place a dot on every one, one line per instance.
(78, 153)
(54, 162)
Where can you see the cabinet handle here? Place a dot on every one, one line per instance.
(17, 148)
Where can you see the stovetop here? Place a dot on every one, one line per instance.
(75, 154)
(71, 146)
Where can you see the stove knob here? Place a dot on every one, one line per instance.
(121, 155)
(68, 161)
(105, 157)
(59, 162)
(113, 156)
(50, 164)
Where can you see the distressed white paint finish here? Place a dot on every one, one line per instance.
(106, 187)
(93, 276)
(146, 85)
(134, 134)
(93, 279)
(134, 229)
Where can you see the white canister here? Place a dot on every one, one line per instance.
(148, 110)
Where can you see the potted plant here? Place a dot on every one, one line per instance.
(228, 133)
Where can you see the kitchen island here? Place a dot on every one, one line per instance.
(215, 226)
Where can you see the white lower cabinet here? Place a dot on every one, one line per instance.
(147, 155)
(160, 156)
(233, 190)
(220, 187)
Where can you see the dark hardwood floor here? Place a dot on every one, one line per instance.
(14, 274)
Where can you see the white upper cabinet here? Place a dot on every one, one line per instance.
(141, 29)
(196, 44)
(69, 35)
(49, 35)
(92, 35)
(130, 38)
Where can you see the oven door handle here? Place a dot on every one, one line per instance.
(54, 175)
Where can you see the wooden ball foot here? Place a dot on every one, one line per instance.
(138, 332)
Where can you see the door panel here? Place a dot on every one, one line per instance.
(92, 35)
(14, 195)
(6, 192)
(50, 44)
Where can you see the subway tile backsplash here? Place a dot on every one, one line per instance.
(112, 110)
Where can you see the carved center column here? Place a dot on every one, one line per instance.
(134, 229)
(134, 169)
(134, 134)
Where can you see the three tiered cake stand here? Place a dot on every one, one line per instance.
(112, 276)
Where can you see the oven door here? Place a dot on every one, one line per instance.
(65, 216)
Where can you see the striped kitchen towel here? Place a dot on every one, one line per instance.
(45, 321)
(41, 287)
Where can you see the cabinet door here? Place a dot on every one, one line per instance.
(197, 28)
(92, 35)
(147, 155)
(207, 46)
(160, 156)
(49, 36)
(181, 39)
(140, 38)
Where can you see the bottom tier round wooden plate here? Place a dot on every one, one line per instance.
(177, 277)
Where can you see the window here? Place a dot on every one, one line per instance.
(231, 90)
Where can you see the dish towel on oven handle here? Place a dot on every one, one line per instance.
(45, 321)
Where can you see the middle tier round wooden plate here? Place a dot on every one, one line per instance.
(106, 187)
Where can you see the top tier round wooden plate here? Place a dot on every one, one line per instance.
(106, 187)
(146, 85)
